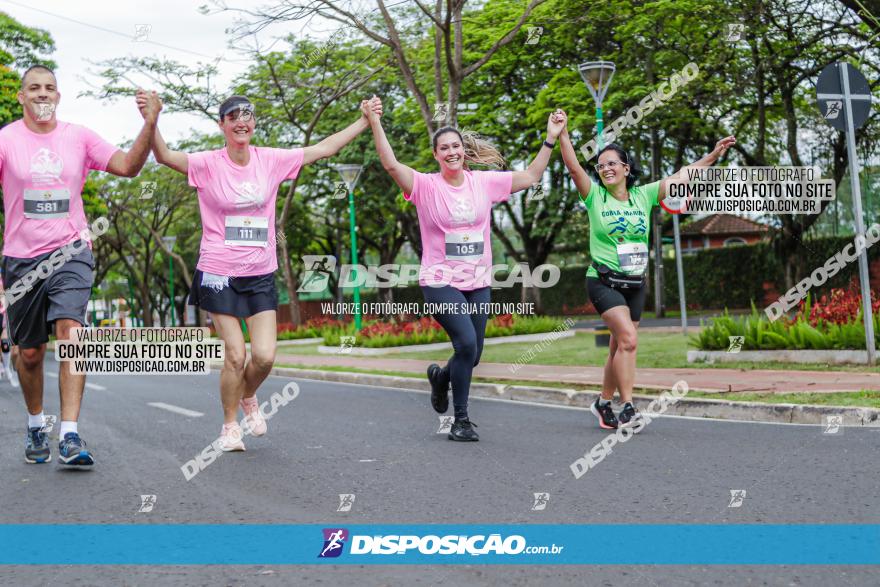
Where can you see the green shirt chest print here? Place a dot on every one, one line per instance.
(619, 230)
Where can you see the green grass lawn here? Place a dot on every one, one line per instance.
(656, 350)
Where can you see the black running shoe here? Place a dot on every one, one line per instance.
(628, 417)
(605, 415)
(72, 451)
(37, 448)
(463, 430)
(439, 380)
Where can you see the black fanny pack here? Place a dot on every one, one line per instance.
(618, 280)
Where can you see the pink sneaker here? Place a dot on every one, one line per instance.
(254, 419)
(230, 437)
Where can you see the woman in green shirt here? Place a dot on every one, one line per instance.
(620, 221)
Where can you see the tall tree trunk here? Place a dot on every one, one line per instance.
(146, 302)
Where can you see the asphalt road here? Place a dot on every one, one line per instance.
(381, 445)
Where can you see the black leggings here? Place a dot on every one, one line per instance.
(466, 331)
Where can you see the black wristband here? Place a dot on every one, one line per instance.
(551, 145)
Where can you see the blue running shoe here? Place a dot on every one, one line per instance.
(72, 451)
(37, 448)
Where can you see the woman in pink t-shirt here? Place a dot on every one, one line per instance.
(235, 275)
(454, 208)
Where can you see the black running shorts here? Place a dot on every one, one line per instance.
(236, 296)
(46, 288)
(604, 298)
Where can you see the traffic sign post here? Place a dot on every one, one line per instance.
(845, 102)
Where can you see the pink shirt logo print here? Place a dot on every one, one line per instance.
(46, 167)
(463, 213)
(248, 195)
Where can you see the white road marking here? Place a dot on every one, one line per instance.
(89, 385)
(367, 461)
(176, 409)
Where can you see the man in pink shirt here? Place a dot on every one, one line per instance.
(43, 165)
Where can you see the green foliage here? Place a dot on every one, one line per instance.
(20, 47)
(759, 334)
(734, 277)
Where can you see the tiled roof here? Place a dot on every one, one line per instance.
(723, 224)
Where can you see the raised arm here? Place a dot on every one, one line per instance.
(334, 143)
(129, 163)
(402, 175)
(707, 161)
(532, 174)
(176, 160)
(580, 176)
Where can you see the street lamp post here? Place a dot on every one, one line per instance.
(597, 75)
(169, 245)
(350, 174)
(134, 322)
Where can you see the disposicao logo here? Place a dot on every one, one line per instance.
(334, 540)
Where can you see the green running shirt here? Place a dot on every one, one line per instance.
(619, 230)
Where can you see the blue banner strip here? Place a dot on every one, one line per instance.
(643, 544)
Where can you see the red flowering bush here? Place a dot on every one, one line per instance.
(425, 325)
(322, 322)
(842, 307)
(426, 330)
(503, 321)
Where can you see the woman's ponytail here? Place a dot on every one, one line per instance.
(477, 150)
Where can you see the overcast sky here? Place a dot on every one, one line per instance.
(99, 30)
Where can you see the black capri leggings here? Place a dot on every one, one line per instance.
(466, 331)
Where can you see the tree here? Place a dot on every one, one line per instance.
(452, 56)
(20, 47)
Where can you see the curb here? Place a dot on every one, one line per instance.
(835, 357)
(700, 408)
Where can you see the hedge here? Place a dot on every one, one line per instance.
(728, 277)
(733, 277)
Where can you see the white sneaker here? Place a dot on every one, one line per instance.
(253, 419)
(230, 438)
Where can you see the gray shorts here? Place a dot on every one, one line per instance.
(37, 301)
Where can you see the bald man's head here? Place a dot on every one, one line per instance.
(37, 68)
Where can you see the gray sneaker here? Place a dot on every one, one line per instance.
(37, 448)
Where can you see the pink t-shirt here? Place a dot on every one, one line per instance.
(238, 208)
(455, 227)
(42, 177)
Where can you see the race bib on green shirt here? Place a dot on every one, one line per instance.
(633, 258)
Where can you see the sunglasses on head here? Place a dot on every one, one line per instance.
(243, 112)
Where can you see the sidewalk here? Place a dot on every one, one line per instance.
(709, 380)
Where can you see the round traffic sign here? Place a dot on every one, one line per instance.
(832, 96)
